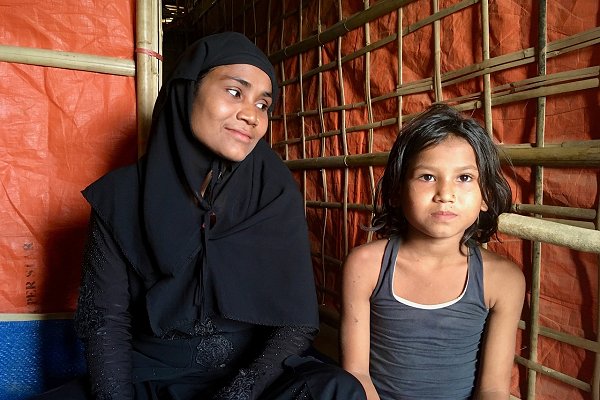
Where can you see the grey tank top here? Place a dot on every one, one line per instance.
(426, 351)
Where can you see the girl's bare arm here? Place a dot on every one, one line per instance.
(505, 291)
(360, 274)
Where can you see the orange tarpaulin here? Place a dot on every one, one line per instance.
(60, 130)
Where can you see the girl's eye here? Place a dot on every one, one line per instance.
(427, 178)
(234, 92)
(465, 178)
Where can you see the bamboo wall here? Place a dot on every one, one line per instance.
(352, 72)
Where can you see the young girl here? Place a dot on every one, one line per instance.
(417, 303)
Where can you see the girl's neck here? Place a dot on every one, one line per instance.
(425, 246)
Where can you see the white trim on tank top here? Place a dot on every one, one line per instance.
(428, 306)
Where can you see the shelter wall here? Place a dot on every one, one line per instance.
(353, 72)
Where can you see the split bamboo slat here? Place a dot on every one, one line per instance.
(148, 40)
(301, 91)
(542, 224)
(323, 175)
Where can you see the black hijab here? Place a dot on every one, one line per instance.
(243, 253)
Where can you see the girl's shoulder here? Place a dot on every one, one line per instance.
(368, 253)
(364, 262)
(501, 276)
(498, 264)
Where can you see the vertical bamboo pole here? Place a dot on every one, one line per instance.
(254, 20)
(231, 15)
(400, 66)
(283, 88)
(322, 153)
(148, 40)
(268, 50)
(399, 42)
(538, 199)
(437, 77)
(596, 376)
(302, 120)
(342, 112)
(487, 89)
(368, 98)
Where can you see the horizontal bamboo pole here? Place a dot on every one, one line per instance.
(572, 340)
(582, 213)
(499, 63)
(576, 156)
(561, 46)
(525, 56)
(333, 205)
(570, 43)
(546, 91)
(550, 232)
(569, 212)
(570, 143)
(581, 79)
(384, 41)
(11, 317)
(355, 128)
(554, 156)
(495, 64)
(474, 103)
(586, 387)
(571, 222)
(340, 28)
(547, 80)
(359, 160)
(67, 60)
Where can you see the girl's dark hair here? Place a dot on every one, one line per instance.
(430, 128)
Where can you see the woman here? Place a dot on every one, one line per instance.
(197, 278)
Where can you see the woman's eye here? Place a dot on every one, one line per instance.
(234, 92)
(262, 106)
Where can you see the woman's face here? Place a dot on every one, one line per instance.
(229, 115)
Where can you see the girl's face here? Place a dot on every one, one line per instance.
(441, 195)
(229, 115)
